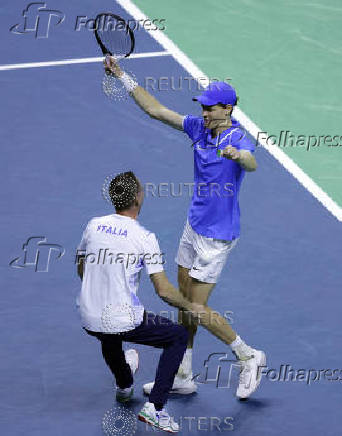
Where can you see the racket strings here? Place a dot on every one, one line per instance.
(115, 35)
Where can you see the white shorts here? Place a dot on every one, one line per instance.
(205, 257)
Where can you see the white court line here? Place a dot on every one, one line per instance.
(77, 61)
(252, 128)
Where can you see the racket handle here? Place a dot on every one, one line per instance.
(107, 59)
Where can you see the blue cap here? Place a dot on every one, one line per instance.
(217, 92)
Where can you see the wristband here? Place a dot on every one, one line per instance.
(128, 82)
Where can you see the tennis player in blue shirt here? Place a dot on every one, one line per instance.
(222, 155)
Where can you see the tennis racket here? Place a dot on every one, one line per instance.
(116, 39)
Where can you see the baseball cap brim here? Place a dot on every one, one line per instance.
(203, 99)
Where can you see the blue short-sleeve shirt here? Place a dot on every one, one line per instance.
(214, 210)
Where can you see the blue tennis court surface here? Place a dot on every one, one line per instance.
(61, 138)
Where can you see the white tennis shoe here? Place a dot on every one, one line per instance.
(184, 386)
(250, 374)
(160, 419)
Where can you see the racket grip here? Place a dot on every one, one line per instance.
(107, 59)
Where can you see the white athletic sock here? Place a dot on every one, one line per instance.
(185, 368)
(241, 349)
(238, 341)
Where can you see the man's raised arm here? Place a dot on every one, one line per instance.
(144, 99)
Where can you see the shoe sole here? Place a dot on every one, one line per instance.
(261, 363)
(181, 391)
(143, 418)
(124, 399)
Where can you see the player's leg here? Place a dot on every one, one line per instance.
(197, 292)
(250, 359)
(184, 318)
(200, 261)
(185, 260)
(161, 333)
(122, 364)
(210, 257)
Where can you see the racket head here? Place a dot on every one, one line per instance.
(113, 41)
